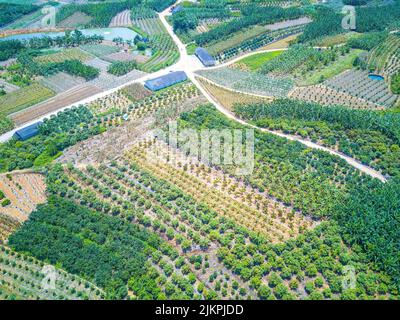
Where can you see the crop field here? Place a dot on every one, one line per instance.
(8, 87)
(231, 50)
(98, 64)
(255, 62)
(229, 98)
(150, 25)
(77, 19)
(384, 59)
(165, 53)
(61, 100)
(99, 50)
(122, 19)
(24, 98)
(192, 208)
(269, 173)
(23, 276)
(358, 84)
(107, 81)
(322, 73)
(249, 82)
(328, 96)
(61, 82)
(8, 226)
(120, 56)
(25, 192)
(66, 54)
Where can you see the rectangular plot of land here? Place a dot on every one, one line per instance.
(61, 100)
(62, 82)
(121, 56)
(8, 87)
(99, 50)
(98, 64)
(24, 98)
(67, 54)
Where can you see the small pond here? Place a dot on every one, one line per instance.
(376, 77)
(107, 33)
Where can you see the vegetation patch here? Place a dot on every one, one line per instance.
(24, 98)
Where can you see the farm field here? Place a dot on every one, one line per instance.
(342, 64)
(358, 84)
(8, 87)
(200, 150)
(66, 54)
(22, 278)
(77, 19)
(254, 62)
(59, 101)
(164, 53)
(384, 59)
(229, 98)
(61, 82)
(150, 25)
(360, 134)
(122, 19)
(25, 191)
(249, 82)
(24, 98)
(328, 96)
(99, 50)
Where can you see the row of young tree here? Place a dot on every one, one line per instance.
(11, 12)
(96, 246)
(251, 15)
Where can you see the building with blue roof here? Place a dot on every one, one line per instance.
(206, 59)
(27, 132)
(176, 9)
(165, 81)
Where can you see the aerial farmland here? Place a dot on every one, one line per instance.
(199, 150)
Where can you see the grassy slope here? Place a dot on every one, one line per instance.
(342, 64)
(255, 62)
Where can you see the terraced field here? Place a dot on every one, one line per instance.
(122, 19)
(150, 25)
(384, 59)
(165, 53)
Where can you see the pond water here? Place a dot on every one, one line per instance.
(107, 33)
(376, 77)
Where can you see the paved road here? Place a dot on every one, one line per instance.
(190, 65)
